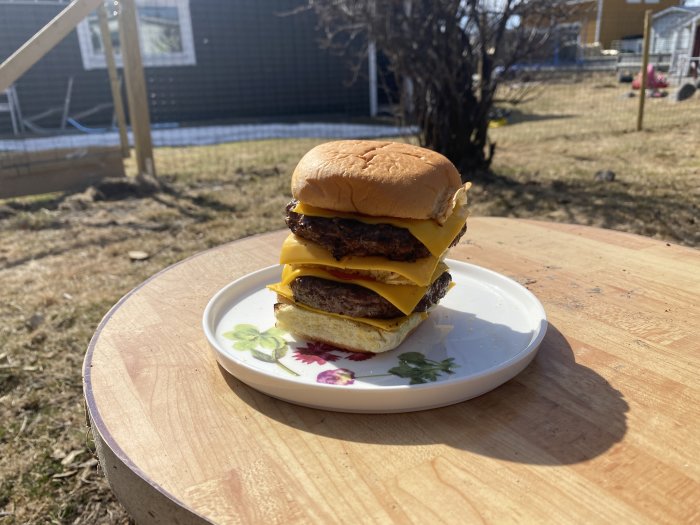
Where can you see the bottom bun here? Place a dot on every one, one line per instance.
(341, 332)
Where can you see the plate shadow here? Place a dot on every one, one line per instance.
(555, 412)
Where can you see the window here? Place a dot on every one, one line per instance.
(165, 35)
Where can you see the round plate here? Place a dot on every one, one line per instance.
(484, 332)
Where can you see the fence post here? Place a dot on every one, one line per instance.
(136, 88)
(645, 64)
(113, 80)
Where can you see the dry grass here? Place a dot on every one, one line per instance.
(64, 259)
(548, 156)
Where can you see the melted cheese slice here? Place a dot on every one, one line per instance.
(437, 238)
(298, 251)
(383, 324)
(404, 296)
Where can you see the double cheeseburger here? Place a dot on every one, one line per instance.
(371, 223)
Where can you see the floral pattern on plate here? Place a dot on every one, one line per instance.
(271, 345)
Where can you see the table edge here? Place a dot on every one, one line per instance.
(109, 451)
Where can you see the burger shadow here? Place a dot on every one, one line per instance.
(554, 412)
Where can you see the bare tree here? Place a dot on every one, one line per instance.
(449, 56)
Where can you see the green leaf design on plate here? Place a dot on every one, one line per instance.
(275, 332)
(412, 357)
(248, 338)
(279, 353)
(262, 356)
(244, 345)
(418, 369)
(246, 331)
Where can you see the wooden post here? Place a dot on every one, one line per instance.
(136, 88)
(114, 83)
(44, 41)
(645, 64)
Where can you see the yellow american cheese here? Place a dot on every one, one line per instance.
(384, 324)
(404, 296)
(298, 251)
(434, 236)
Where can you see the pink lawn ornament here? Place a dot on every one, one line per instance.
(654, 81)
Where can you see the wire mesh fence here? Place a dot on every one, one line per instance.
(249, 71)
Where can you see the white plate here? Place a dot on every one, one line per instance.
(484, 332)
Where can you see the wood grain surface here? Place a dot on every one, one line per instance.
(602, 427)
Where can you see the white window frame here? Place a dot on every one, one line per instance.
(186, 57)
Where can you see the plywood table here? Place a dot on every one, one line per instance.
(602, 427)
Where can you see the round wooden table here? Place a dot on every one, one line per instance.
(602, 427)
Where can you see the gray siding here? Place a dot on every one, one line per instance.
(664, 30)
(251, 63)
(44, 85)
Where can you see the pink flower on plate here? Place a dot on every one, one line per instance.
(358, 356)
(313, 352)
(339, 376)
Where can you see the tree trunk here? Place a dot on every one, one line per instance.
(457, 130)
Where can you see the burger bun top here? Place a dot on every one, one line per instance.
(377, 178)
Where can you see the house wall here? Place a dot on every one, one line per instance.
(584, 13)
(250, 62)
(682, 48)
(664, 31)
(684, 39)
(588, 24)
(621, 19)
(44, 85)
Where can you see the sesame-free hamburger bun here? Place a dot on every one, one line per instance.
(377, 178)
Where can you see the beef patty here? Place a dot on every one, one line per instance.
(357, 301)
(343, 237)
